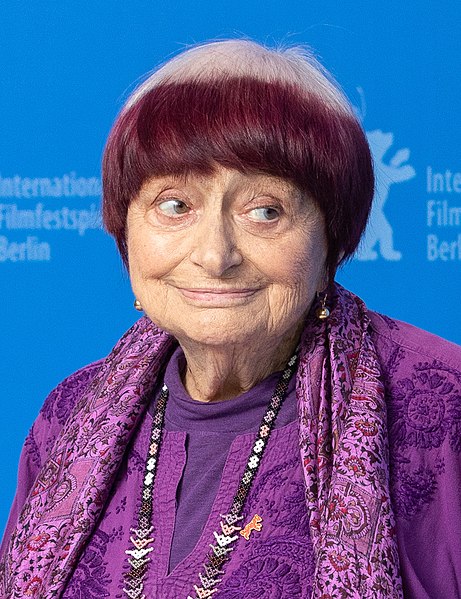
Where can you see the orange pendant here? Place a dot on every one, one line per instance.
(254, 524)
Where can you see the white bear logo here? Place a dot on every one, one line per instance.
(379, 232)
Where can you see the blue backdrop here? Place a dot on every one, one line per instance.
(66, 68)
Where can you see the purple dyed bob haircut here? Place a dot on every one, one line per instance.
(244, 106)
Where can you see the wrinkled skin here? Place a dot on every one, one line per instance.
(229, 264)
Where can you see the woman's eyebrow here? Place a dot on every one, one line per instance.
(266, 184)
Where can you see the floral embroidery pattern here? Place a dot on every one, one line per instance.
(33, 586)
(343, 433)
(38, 541)
(61, 401)
(282, 566)
(426, 407)
(263, 577)
(339, 561)
(273, 477)
(91, 579)
(424, 412)
(412, 491)
(293, 515)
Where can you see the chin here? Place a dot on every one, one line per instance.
(216, 336)
(218, 333)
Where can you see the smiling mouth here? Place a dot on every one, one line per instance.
(217, 296)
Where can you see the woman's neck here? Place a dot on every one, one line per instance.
(217, 373)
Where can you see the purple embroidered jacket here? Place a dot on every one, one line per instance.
(421, 379)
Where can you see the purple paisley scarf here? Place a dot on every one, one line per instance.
(344, 452)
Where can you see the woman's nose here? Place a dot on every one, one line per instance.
(214, 247)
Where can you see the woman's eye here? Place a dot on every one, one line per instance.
(173, 207)
(267, 213)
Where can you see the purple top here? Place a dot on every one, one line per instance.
(210, 431)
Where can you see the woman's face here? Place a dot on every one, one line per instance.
(226, 258)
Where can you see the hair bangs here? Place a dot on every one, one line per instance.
(249, 124)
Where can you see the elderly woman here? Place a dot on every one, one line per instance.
(258, 433)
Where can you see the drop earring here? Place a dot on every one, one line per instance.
(137, 305)
(322, 311)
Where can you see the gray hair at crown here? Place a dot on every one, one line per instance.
(215, 59)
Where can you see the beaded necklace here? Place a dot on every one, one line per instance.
(225, 538)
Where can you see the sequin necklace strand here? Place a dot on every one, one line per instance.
(225, 538)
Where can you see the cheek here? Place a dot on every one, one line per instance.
(302, 263)
(151, 255)
(139, 259)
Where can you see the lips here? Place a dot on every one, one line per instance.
(217, 296)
